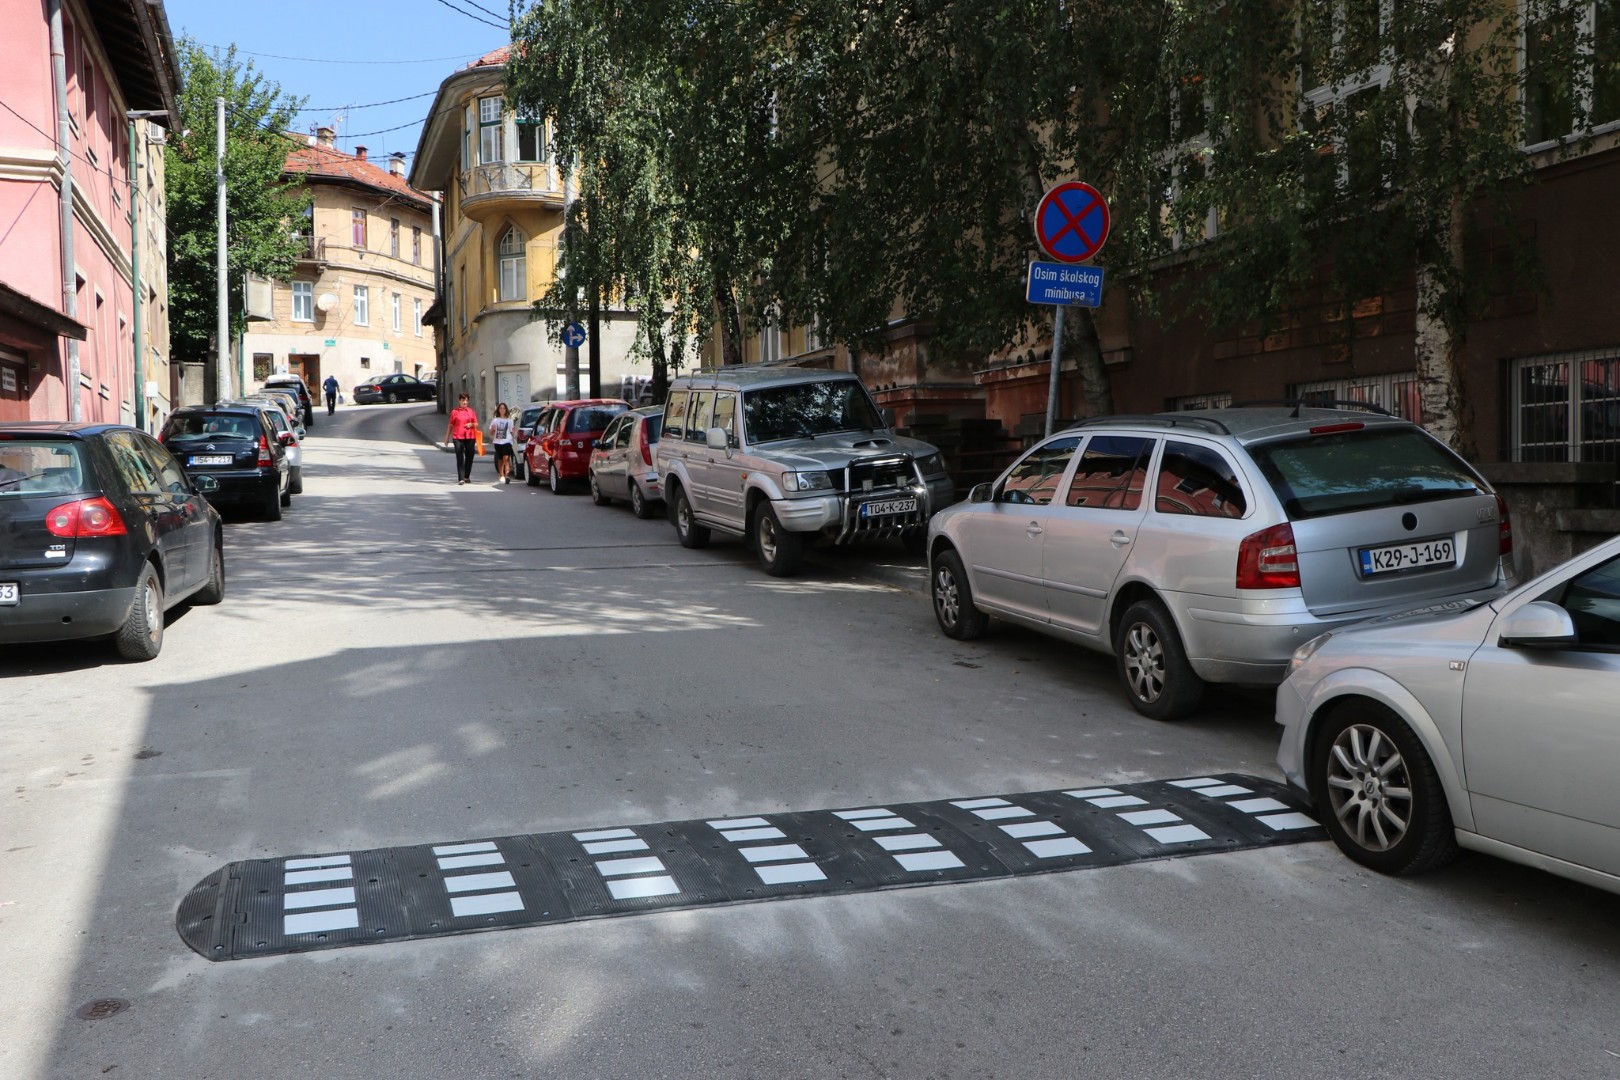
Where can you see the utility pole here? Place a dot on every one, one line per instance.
(222, 368)
(570, 351)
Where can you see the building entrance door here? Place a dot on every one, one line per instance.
(13, 387)
(308, 367)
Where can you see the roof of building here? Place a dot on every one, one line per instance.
(497, 58)
(330, 163)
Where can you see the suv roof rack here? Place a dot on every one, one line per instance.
(1203, 423)
(1313, 403)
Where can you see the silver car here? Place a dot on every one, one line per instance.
(1487, 726)
(1205, 547)
(290, 434)
(622, 464)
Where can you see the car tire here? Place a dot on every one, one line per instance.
(596, 492)
(687, 530)
(554, 479)
(780, 552)
(534, 479)
(296, 487)
(1153, 663)
(1377, 791)
(640, 505)
(286, 496)
(390, 397)
(213, 590)
(141, 636)
(953, 599)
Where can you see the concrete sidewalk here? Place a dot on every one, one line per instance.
(430, 426)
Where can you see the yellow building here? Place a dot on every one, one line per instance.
(503, 200)
(356, 304)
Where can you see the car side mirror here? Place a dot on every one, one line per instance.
(600, 444)
(981, 493)
(887, 415)
(1539, 625)
(717, 439)
(205, 485)
(286, 438)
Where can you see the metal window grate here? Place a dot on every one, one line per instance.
(1398, 393)
(1198, 401)
(1566, 407)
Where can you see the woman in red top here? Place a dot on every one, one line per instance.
(463, 431)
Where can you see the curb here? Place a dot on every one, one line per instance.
(428, 426)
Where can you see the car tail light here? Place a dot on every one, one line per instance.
(1505, 528)
(646, 447)
(265, 460)
(1333, 429)
(87, 517)
(1268, 559)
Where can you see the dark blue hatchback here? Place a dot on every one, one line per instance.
(101, 533)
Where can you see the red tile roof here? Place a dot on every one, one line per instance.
(498, 58)
(334, 164)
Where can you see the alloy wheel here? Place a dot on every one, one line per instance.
(1368, 787)
(1144, 662)
(947, 597)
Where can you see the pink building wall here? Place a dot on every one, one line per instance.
(30, 233)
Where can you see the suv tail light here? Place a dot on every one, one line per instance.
(87, 517)
(641, 441)
(1268, 560)
(265, 459)
(1505, 529)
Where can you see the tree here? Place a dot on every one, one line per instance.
(261, 204)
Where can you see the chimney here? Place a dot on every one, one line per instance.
(360, 152)
(324, 136)
(396, 163)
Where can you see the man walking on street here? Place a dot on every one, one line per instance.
(463, 431)
(331, 388)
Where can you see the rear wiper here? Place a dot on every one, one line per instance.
(20, 479)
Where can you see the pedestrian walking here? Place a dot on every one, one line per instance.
(500, 433)
(331, 388)
(463, 431)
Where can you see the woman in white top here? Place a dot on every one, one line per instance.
(500, 434)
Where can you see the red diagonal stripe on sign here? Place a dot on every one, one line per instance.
(1072, 219)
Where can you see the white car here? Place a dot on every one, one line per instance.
(288, 431)
(1492, 726)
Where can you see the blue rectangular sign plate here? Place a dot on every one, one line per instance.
(1058, 283)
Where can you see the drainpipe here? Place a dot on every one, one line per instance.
(135, 275)
(64, 151)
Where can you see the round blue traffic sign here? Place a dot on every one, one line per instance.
(1071, 222)
(573, 335)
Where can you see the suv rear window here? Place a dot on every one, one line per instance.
(592, 419)
(1362, 470)
(39, 467)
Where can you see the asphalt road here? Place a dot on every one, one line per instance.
(401, 661)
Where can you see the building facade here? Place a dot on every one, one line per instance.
(80, 315)
(356, 304)
(502, 220)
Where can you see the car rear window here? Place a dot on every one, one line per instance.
(594, 418)
(1365, 469)
(40, 467)
(653, 426)
(191, 427)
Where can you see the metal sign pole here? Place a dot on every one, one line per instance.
(1052, 388)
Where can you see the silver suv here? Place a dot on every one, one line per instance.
(786, 455)
(1207, 546)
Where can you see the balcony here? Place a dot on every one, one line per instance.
(314, 253)
(488, 190)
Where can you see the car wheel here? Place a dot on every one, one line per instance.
(534, 478)
(272, 507)
(286, 496)
(687, 530)
(1153, 664)
(953, 600)
(554, 479)
(780, 551)
(1378, 793)
(390, 397)
(214, 590)
(596, 492)
(640, 505)
(141, 636)
(297, 485)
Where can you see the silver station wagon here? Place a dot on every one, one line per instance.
(1207, 546)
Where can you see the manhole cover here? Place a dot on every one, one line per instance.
(101, 1008)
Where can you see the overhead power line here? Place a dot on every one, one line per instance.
(369, 105)
(329, 60)
(470, 15)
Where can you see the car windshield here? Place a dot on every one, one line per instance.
(39, 467)
(1364, 469)
(200, 427)
(808, 409)
(593, 418)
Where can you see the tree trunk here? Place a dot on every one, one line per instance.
(1095, 384)
(1440, 349)
(731, 345)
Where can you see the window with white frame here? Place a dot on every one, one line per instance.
(1558, 95)
(1362, 125)
(362, 305)
(1397, 394)
(770, 342)
(513, 265)
(396, 312)
(1565, 407)
(1184, 165)
(468, 126)
(393, 237)
(531, 138)
(416, 317)
(490, 125)
(303, 301)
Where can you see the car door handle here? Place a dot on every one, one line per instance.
(1119, 539)
(1034, 529)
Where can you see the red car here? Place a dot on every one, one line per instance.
(560, 448)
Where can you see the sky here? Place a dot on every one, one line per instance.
(346, 56)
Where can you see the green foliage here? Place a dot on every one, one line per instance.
(260, 202)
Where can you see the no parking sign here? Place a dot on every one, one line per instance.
(1071, 222)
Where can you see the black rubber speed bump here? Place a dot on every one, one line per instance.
(267, 906)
